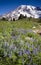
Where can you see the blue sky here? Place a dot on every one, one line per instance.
(9, 5)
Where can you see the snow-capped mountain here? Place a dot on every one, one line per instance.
(24, 11)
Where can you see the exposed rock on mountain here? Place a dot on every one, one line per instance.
(23, 11)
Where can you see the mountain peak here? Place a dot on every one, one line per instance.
(23, 10)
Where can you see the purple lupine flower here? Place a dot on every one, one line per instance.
(32, 46)
(20, 53)
(27, 52)
(35, 51)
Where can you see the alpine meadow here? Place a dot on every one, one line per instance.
(20, 36)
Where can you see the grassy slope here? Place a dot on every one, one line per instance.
(24, 23)
(8, 30)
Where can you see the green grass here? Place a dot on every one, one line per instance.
(24, 24)
(20, 34)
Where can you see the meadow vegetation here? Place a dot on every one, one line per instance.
(19, 45)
